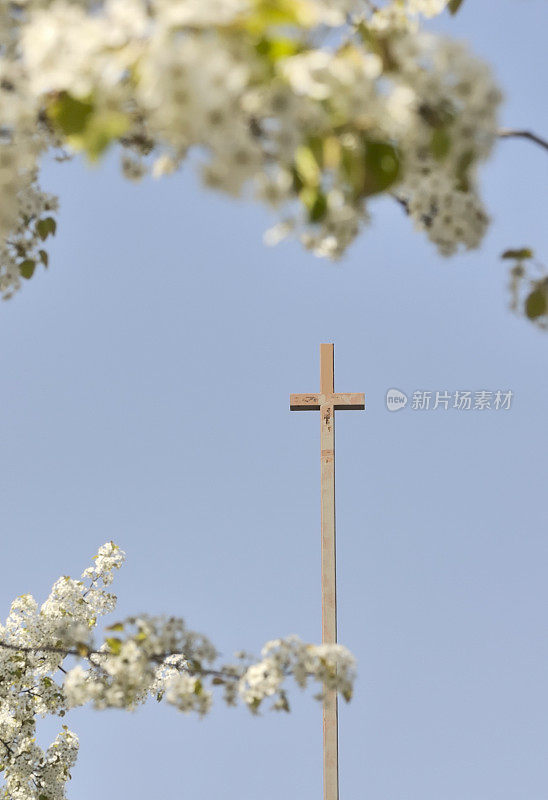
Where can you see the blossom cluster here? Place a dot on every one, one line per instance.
(310, 106)
(140, 657)
(332, 665)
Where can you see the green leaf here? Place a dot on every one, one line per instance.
(118, 626)
(102, 129)
(255, 703)
(382, 167)
(316, 203)
(297, 182)
(114, 644)
(454, 5)
(44, 258)
(273, 13)
(463, 166)
(86, 127)
(26, 268)
(47, 681)
(70, 114)
(536, 305)
(316, 144)
(198, 688)
(46, 227)
(307, 166)
(275, 49)
(331, 152)
(520, 254)
(440, 143)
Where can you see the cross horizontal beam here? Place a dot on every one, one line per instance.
(339, 400)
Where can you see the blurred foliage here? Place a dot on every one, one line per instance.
(529, 292)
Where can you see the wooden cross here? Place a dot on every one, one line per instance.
(327, 402)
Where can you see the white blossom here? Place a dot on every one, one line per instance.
(314, 132)
(140, 657)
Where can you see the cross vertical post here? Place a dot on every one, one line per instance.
(326, 402)
(329, 568)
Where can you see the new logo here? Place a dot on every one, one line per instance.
(395, 400)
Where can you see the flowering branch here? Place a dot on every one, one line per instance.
(312, 107)
(179, 659)
(139, 657)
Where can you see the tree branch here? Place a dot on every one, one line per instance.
(511, 133)
(8, 748)
(156, 658)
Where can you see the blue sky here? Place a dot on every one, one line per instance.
(145, 396)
